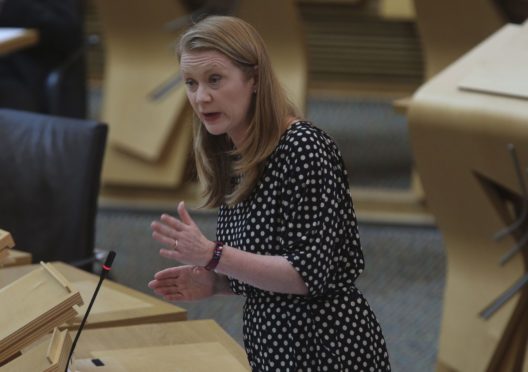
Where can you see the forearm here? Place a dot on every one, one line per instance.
(270, 273)
(188, 245)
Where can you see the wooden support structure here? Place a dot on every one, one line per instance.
(445, 34)
(50, 354)
(461, 126)
(32, 306)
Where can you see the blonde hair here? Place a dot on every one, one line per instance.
(218, 163)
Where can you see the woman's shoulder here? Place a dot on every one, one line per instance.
(304, 135)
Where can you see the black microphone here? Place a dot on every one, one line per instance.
(104, 273)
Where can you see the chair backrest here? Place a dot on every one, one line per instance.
(50, 176)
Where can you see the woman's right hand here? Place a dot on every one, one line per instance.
(184, 283)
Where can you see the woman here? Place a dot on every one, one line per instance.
(287, 234)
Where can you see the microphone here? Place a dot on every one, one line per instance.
(107, 266)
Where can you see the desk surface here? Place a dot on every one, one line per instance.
(158, 334)
(16, 258)
(116, 305)
(12, 39)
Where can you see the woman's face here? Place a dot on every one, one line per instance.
(220, 93)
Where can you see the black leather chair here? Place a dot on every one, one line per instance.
(49, 183)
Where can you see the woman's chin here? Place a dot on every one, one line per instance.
(215, 131)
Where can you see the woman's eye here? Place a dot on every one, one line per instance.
(215, 79)
(190, 83)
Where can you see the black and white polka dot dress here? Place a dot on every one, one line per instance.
(301, 209)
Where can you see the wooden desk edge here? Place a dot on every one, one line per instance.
(157, 311)
(202, 330)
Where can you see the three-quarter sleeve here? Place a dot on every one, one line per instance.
(312, 205)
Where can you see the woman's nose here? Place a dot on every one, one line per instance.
(203, 94)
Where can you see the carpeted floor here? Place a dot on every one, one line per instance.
(371, 136)
(405, 265)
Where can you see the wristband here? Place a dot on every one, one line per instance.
(217, 253)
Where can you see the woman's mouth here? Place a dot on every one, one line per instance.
(211, 116)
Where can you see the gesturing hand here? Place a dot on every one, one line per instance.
(183, 238)
(184, 283)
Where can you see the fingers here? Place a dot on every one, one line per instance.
(168, 280)
(172, 222)
(171, 242)
(155, 285)
(183, 240)
(164, 229)
(184, 215)
(170, 273)
(169, 294)
(170, 254)
(167, 284)
(170, 226)
(163, 287)
(164, 290)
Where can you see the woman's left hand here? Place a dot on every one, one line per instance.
(184, 283)
(184, 241)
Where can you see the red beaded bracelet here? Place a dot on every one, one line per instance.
(217, 253)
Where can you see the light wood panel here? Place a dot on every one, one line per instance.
(158, 334)
(16, 258)
(450, 28)
(126, 170)
(447, 29)
(498, 75)
(6, 243)
(202, 357)
(6, 240)
(33, 305)
(139, 58)
(9, 256)
(116, 304)
(460, 140)
(397, 9)
(50, 354)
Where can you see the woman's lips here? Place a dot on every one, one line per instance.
(211, 116)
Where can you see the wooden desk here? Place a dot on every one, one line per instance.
(16, 258)
(200, 357)
(13, 39)
(158, 334)
(116, 305)
(460, 132)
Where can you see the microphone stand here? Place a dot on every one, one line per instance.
(104, 273)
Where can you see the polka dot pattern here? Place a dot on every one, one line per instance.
(301, 209)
